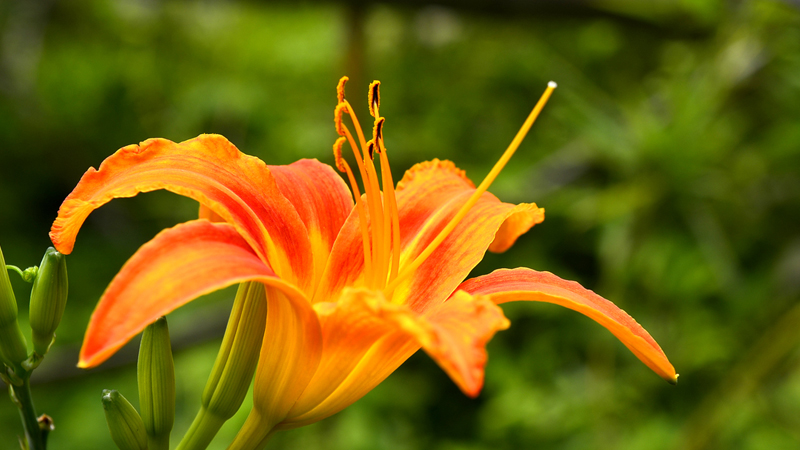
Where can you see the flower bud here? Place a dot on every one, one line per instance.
(156, 376)
(124, 423)
(13, 347)
(48, 299)
(233, 370)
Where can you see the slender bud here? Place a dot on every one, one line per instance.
(13, 347)
(48, 299)
(233, 370)
(124, 423)
(156, 376)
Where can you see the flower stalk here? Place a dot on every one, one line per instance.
(21, 396)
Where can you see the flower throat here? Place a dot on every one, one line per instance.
(377, 211)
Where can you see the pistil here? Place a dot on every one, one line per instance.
(409, 269)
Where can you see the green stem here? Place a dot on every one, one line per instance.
(157, 442)
(24, 400)
(15, 269)
(202, 432)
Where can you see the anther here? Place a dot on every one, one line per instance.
(371, 149)
(341, 109)
(337, 154)
(377, 130)
(340, 89)
(374, 98)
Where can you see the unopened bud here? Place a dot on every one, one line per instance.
(48, 299)
(156, 376)
(233, 370)
(124, 423)
(13, 347)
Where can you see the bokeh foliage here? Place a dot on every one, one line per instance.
(668, 162)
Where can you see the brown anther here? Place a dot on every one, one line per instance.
(337, 154)
(374, 98)
(340, 88)
(377, 129)
(341, 109)
(371, 148)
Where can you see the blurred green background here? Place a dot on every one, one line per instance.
(668, 161)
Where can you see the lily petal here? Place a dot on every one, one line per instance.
(428, 197)
(454, 334)
(175, 267)
(345, 266)
(290, 355)
(322, 200)
(507, 285)
(350, 327)
(211, 170)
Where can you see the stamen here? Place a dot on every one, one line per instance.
(377, 217)
(391, 201)
(411, 267)
(374, 98)
(371, 187)
(342, 165)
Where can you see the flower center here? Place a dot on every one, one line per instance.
(381, 233)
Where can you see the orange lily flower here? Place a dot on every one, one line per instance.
(353, 288)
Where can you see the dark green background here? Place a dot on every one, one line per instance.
(668, 161)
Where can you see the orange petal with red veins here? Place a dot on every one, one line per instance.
(178, 265)
(209, 169)
(290, 355)
(383, 358)
(350, 327)
(429, 196)
(454, 334)
(322, 200)
(507, 285)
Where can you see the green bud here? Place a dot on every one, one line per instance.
(48, 299)
(124, 423)
(156, 376)
(233, 370)
(13, 347)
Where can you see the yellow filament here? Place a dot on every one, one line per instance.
(409, 269)
(342, 165)
(371, 188)
(371, 206)
(391, 201)
(377, 225)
